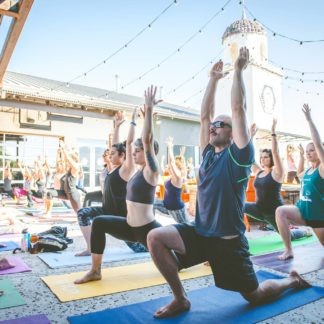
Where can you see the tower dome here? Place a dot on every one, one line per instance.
(243, 26)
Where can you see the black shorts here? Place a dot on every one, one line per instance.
(229, 259)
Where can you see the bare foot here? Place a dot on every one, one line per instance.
(89, 276)
(286, 255)
(302, 283)
(5, 264)
(175, 308)
(83, 253)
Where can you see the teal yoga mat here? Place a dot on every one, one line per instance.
(11, 296)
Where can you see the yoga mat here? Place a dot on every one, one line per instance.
(273, 242)
(115, 280)
(9, 246)
(20, 266)
(11, 296)
(307, 258)
(68, 259)
(208, 305)
(34, 319)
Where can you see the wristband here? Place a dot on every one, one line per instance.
(133, 123)
(274, 135)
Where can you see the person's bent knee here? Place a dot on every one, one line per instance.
(281, 214)
(154, 237)
(253, 297)
(98, 223)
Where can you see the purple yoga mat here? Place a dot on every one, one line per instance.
(34, 319)
(307, 258)
(20, 266)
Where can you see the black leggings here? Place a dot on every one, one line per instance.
(73, 197)
(117, 227)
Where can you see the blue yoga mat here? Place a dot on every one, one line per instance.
(9, 246)
(68, 259)
(208, 305)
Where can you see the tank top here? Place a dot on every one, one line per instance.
(40, 185)
(69, 182)
(114, 194)
(311, 202)
(7, 184)
(172, 196)
(268, 196)
(138, 190)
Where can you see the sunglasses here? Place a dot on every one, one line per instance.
(219, 124)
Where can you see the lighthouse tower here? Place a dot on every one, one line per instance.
(263, 81)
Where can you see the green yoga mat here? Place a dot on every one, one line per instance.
(273, 243)
(11, 296)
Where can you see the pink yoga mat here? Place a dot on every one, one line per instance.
(20, 266)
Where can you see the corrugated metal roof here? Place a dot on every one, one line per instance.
(42, 88)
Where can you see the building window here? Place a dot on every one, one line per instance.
(25, 148)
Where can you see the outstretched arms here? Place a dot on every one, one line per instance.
(241, 136)
(319, 148)
(128, 166)
(255, 166)
(119, 119)
(147, 135)
(175, 172)
(208, 103)
(278, 170)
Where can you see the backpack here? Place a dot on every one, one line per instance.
(53, 240)
(51, 243)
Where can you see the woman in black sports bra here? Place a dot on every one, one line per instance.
(140, 193)
(267, 184)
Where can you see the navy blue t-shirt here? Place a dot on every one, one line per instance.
(222, 184)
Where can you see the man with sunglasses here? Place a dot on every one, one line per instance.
(218, 233)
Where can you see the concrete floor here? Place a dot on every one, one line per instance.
(39, 299)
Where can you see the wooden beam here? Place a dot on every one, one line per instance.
(13, 35)
(9, 13)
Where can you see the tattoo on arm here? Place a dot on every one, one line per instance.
(151, 161)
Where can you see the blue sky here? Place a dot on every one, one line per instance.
(62, 39)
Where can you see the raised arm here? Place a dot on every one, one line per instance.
(175, 172)
(278, 170)
(128, 166)
(241, 135)
(255, 166)
(319, 148)
(119, 119)
(151, 168)
(9, 170)
(208, 104)
(68, 158)
(301, 164)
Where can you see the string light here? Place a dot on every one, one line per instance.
(301, 42)
(293, 70)
(173, 2)
(189, 39)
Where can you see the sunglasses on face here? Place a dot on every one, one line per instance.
(219, 124)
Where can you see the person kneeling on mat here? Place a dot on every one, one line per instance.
(140, 193)
(218, 233)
